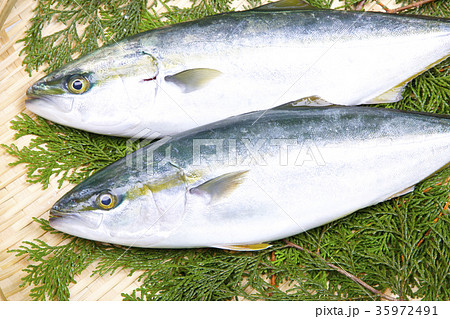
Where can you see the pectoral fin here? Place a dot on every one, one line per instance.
(193, 79)
(254, 247)
(219, 187)
(286, 5)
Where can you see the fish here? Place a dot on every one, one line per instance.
(248, 180)
(171, 79)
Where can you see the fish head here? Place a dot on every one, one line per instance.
(114, 206)
(97, 91)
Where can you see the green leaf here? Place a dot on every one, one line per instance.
(86, 24)
(57, 150)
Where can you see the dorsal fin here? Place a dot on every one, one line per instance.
(286, 5)
(311, 101)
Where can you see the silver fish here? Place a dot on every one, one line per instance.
(175, 78)
(251, 179)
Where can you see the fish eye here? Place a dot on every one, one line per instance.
(78, 84)
(106, 200)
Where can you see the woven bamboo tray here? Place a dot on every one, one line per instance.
(19, 200)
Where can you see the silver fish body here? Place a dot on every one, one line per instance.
(256, 178)
(175, 78)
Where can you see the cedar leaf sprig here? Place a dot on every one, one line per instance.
(58, 150)
(86, 25)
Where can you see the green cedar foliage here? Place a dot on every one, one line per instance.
(58, 150)
(102, 21)
(402, 245)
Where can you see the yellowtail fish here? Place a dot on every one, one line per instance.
(245, 181)
(175, 78)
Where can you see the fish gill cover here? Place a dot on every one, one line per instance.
(400, 247)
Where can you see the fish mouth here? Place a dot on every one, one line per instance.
(47, 106)
(31, 95)
(69, 221)
(54, 213)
